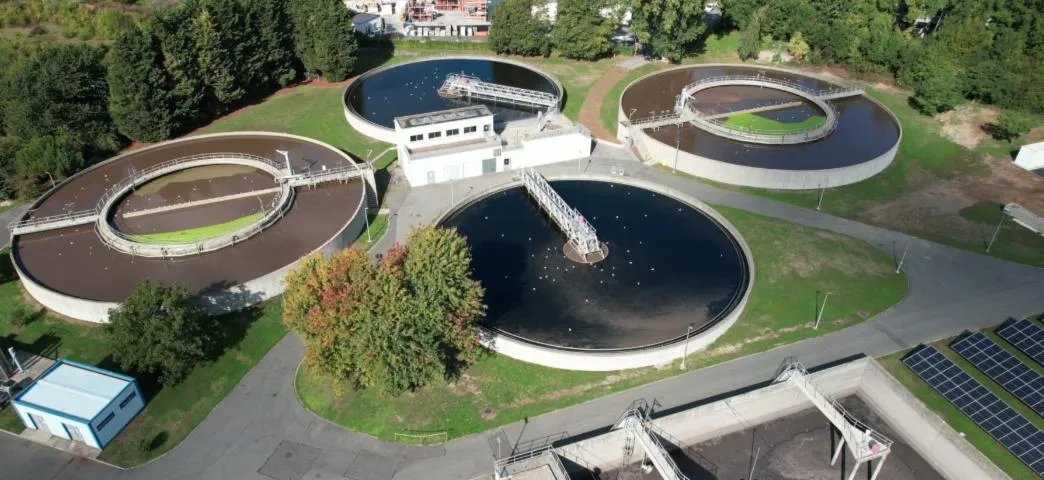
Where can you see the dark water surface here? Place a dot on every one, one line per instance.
(864, 131)
(669, 265)
(412, 88)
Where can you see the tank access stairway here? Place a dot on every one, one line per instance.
(863, 442)
(636, 422)
(1023, 216)
(458, 85)
(581, 233)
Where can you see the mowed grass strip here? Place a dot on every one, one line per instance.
(750, 122)
(953, 416)
(792, 264)
(198, 234)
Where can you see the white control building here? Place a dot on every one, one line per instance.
(79, 402)
(462, 142)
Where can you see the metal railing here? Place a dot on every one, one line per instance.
(503, 470)
(459, 85)
(825, 94)
(636, 420)
(342, 173)
(864, 442)
(51, 222)
(579, 231)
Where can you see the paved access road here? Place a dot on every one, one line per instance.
(261, 427)
(7, 217)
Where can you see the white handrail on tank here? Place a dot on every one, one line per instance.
(460, 85)
(578, 230)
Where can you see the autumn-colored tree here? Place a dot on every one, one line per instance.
(395, 325)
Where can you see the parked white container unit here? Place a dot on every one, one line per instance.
(79, 402)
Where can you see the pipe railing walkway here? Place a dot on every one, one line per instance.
(459, 85)
(863, 442)
(1025, 217)
(635, 421)
(579, 231)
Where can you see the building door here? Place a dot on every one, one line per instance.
(74, 432)
(40, 423)
(451, 172)
(431, 177)
(489, 165)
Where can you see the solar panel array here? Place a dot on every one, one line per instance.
(1004, 368)
(1018, 435)
(1027, 336)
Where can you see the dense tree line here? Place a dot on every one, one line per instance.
(397, 324)
(63, 106)
(946, 50)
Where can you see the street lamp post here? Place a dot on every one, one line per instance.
(677, 147)
(899, 268)
(819, 206)
(819, 316)
(286, 157)
(995, 232)
(685, 352)
(50, 178)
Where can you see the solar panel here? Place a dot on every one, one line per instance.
(1008, 427)
(1004, 368)
(1026, 336)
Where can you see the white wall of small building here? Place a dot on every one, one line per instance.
(1031, 157)
(483, 127)
(100, 437)
(452, 166)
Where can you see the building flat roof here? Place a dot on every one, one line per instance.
(364, 17)
(443, 116)
(75, 390)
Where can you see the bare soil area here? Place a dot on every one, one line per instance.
(591, 110)
(966, 124)
(936, 207)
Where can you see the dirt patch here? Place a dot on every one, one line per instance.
(465, 385)
(591, 110)
(488, 414)
(965, 124)
(936, 208)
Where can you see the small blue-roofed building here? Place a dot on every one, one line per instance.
(80, 403)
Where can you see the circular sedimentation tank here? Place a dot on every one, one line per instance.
(373, 100)
(77, 272)
(672, 263)
(861, 144)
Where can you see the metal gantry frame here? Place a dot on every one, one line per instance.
(863, 442)
(459, 85)
(581, 233)
(635, 421)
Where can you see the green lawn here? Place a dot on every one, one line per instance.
(171, 413)
(199, 234)
(378, 227)
(752, 122)
(721, 47)
(311, 111)
(796, 263)
(957, 419)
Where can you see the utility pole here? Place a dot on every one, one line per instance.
(899, 267)
(995, 232)
(686, 350)
(50, 177)
(822, 192)
(677, 147)
(819, 316)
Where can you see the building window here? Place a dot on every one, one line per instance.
(485, 128)
(507, 161)
(416, 138)
(434, 135)
(470, 129)
(453, 131)
(108, 418)
(123, 404)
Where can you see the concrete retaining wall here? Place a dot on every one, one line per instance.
(596, 361)
(748, 176)
(236, 298)
(386, 134)
(949, 453)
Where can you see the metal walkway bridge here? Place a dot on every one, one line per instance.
(53, 222)
(1024, 217)
(636, 422)
(580, 232)
(863, 442)
(459, 85)
(338, 174)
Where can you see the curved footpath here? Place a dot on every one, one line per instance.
(950, 290)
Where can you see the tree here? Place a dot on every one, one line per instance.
(274, 58)
(172, 27)
(750, 38)
(217, 66)
(396, 325)
(580, 32)
(324, 38)
(668, 28)
(159, 331)
(739, 12)
(935, 81)
(1013, 124)
(58, 155)
(140, 88)
(516, 30)
(797, 46)
(61, 89)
